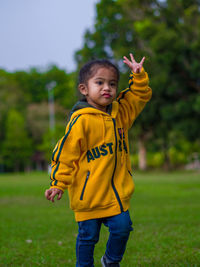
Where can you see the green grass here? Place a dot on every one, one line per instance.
(165, 210)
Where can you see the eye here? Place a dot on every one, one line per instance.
(113, 84)
(99, 82)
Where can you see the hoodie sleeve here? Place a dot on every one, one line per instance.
(133, 99)
(65, 155)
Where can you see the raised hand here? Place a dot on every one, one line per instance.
(133, 65)
(52, 192)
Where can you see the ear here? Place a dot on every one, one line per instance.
(83, 89)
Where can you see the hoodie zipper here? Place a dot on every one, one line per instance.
(112, 181)
(86, 180)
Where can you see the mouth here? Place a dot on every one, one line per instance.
(106, 95)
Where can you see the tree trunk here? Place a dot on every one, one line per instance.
(16, 168)
(167, 164)
(142, 154)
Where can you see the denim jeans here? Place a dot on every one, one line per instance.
(119, 228)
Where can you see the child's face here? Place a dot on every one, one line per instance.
(101, 88)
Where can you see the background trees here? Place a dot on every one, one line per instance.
(160, 30)
(167, 34)
(25, 138)
(17, 147)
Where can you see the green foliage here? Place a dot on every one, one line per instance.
(24, 114)
(49, 141)
(134, 161)
(177, 157)
(155, 160)
(17, 146)
(167, 34)
(180, 152)
(33, 85)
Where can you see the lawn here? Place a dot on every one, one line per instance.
(165, 210)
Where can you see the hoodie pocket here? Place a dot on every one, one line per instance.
(83, 190)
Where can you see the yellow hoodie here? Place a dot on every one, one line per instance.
(92, 159)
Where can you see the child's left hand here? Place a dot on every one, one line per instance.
(133, 65)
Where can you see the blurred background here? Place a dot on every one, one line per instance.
(44, 44)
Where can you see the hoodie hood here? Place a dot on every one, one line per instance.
(83, 107)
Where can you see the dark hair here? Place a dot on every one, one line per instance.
(89, 69)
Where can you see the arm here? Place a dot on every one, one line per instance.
(65, 156)
(133, 99)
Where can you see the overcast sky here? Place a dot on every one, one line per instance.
(40, 32)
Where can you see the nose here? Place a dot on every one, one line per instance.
(106, 87)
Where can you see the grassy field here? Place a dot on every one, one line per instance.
(165, 211)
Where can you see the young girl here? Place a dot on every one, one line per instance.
(92, 159)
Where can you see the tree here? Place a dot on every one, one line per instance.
(26, 93)
(33, 85)
(160, 30)
(38, 127)
(17, 146)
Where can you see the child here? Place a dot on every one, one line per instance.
(92, 159)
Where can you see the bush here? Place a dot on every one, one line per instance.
(177, 157)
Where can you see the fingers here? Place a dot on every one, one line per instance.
(142, 61)
(52, 192)
(133, 65)
(52, 196)
(47, 194)
(132, 58)
(59, 195)
(126, 60)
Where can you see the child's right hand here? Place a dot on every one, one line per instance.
(52, 192)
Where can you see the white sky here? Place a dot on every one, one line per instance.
(35, 33)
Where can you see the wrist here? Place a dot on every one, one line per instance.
(138, 74)
(57, 187)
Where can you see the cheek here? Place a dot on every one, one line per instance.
(95, 94)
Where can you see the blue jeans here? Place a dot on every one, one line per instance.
(119, 228)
